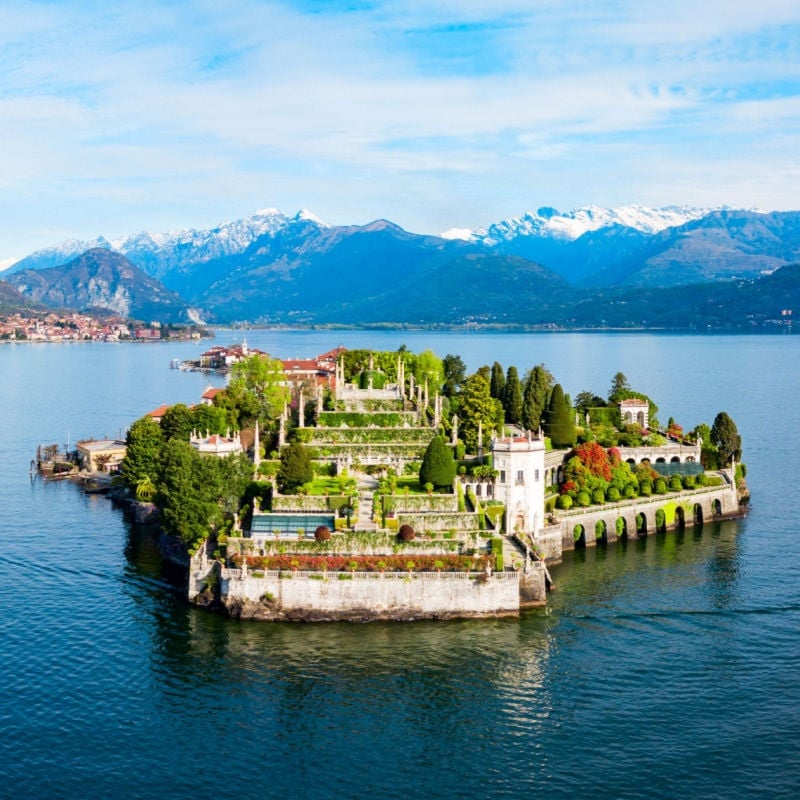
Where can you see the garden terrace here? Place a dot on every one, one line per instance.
(308, 504)
(370, 453)
(378, 419)
(316, 437)
(377, 543)
(420, 503)
(432, 521)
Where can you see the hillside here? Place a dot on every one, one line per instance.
(102, 280)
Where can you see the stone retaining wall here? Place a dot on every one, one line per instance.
(371, 596)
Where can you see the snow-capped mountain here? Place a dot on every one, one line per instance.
(158, 253)
(549, 223)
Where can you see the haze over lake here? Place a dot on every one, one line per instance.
(664, 667)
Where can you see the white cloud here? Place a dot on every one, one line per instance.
(125, 115)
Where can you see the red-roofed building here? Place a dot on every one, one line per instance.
(207, 398)
(158, 413)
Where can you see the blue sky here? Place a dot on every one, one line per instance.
(121, 116)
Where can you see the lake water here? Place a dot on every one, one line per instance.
(667, 667)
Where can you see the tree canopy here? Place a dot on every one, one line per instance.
(512, 397)
(725, 437)
(144, 442)
(438, 465)
(538, 384)
(258, 383)
(559, 419)
(476, 405)
(295, 468)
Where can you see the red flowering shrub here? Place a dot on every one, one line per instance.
(595, 458)
(387, 563)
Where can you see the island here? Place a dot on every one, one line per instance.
(369, 485)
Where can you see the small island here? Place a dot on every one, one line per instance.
(363, 485)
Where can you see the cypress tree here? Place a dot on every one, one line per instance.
(512, 397)
(497, 382)
(534, 398)
(559, 419)
(438, 466)
(725, 437)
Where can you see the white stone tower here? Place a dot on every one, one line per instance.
(519, 461)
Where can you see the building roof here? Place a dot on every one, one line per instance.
(633, 401)
(158, 413)
(99, 445)
(211, 393)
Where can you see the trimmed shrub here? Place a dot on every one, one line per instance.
(598, 496)
(438, 466)
(645, 488)
(612, 495)
(406, 533)
(688, 482)
(322, 533)
(583, 499)
(630, 491)
(565, 502)
(675, 484)
(660, 486)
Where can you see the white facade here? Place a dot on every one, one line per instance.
(519, 462)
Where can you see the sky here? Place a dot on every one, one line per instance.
(117, 117)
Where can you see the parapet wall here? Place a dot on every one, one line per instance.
(371, 596)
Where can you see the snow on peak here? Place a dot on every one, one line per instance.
(549, 223)
(309, 216)
(465, 234)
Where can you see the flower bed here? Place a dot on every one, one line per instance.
(388, 563)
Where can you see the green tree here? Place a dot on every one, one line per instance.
(619, 388)
(428, 367)
(260, 380)
(188, 489)
(144, 440)
(177, 422)
(497, 381)
(295, 469)
(538, 385)
(559, 419)
(455, 371)
(438, 465)
(476, 405)
(725, 437)
(512, 399)
(210, 418)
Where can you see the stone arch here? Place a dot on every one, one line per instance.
(680, 518)
(601, 532)
(675, 460)
(661, 520)
(579, 534)
(661, 460)
(716, 507)
(698, 514)
(641, 523)
(640, 419)
(631, 461)
(690, 459)
(621, 527)
(628, 417)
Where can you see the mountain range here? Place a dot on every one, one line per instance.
(585, 267)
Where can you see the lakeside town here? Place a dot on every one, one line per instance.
(77, 327)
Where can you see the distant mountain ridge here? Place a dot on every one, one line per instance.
(540, 268)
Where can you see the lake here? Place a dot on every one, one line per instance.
(664, 667)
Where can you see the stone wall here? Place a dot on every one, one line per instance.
(461, 521)
(370, 596)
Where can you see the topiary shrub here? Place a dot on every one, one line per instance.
(598, 496)
(675, 484)
(701, 479)
(583, 499)
(322, 533)
(630, 491)
(565, 502)
(645, 488)
(612, 495)
(438, 466)
(660, 486)
(688, 482)
(406, 533)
